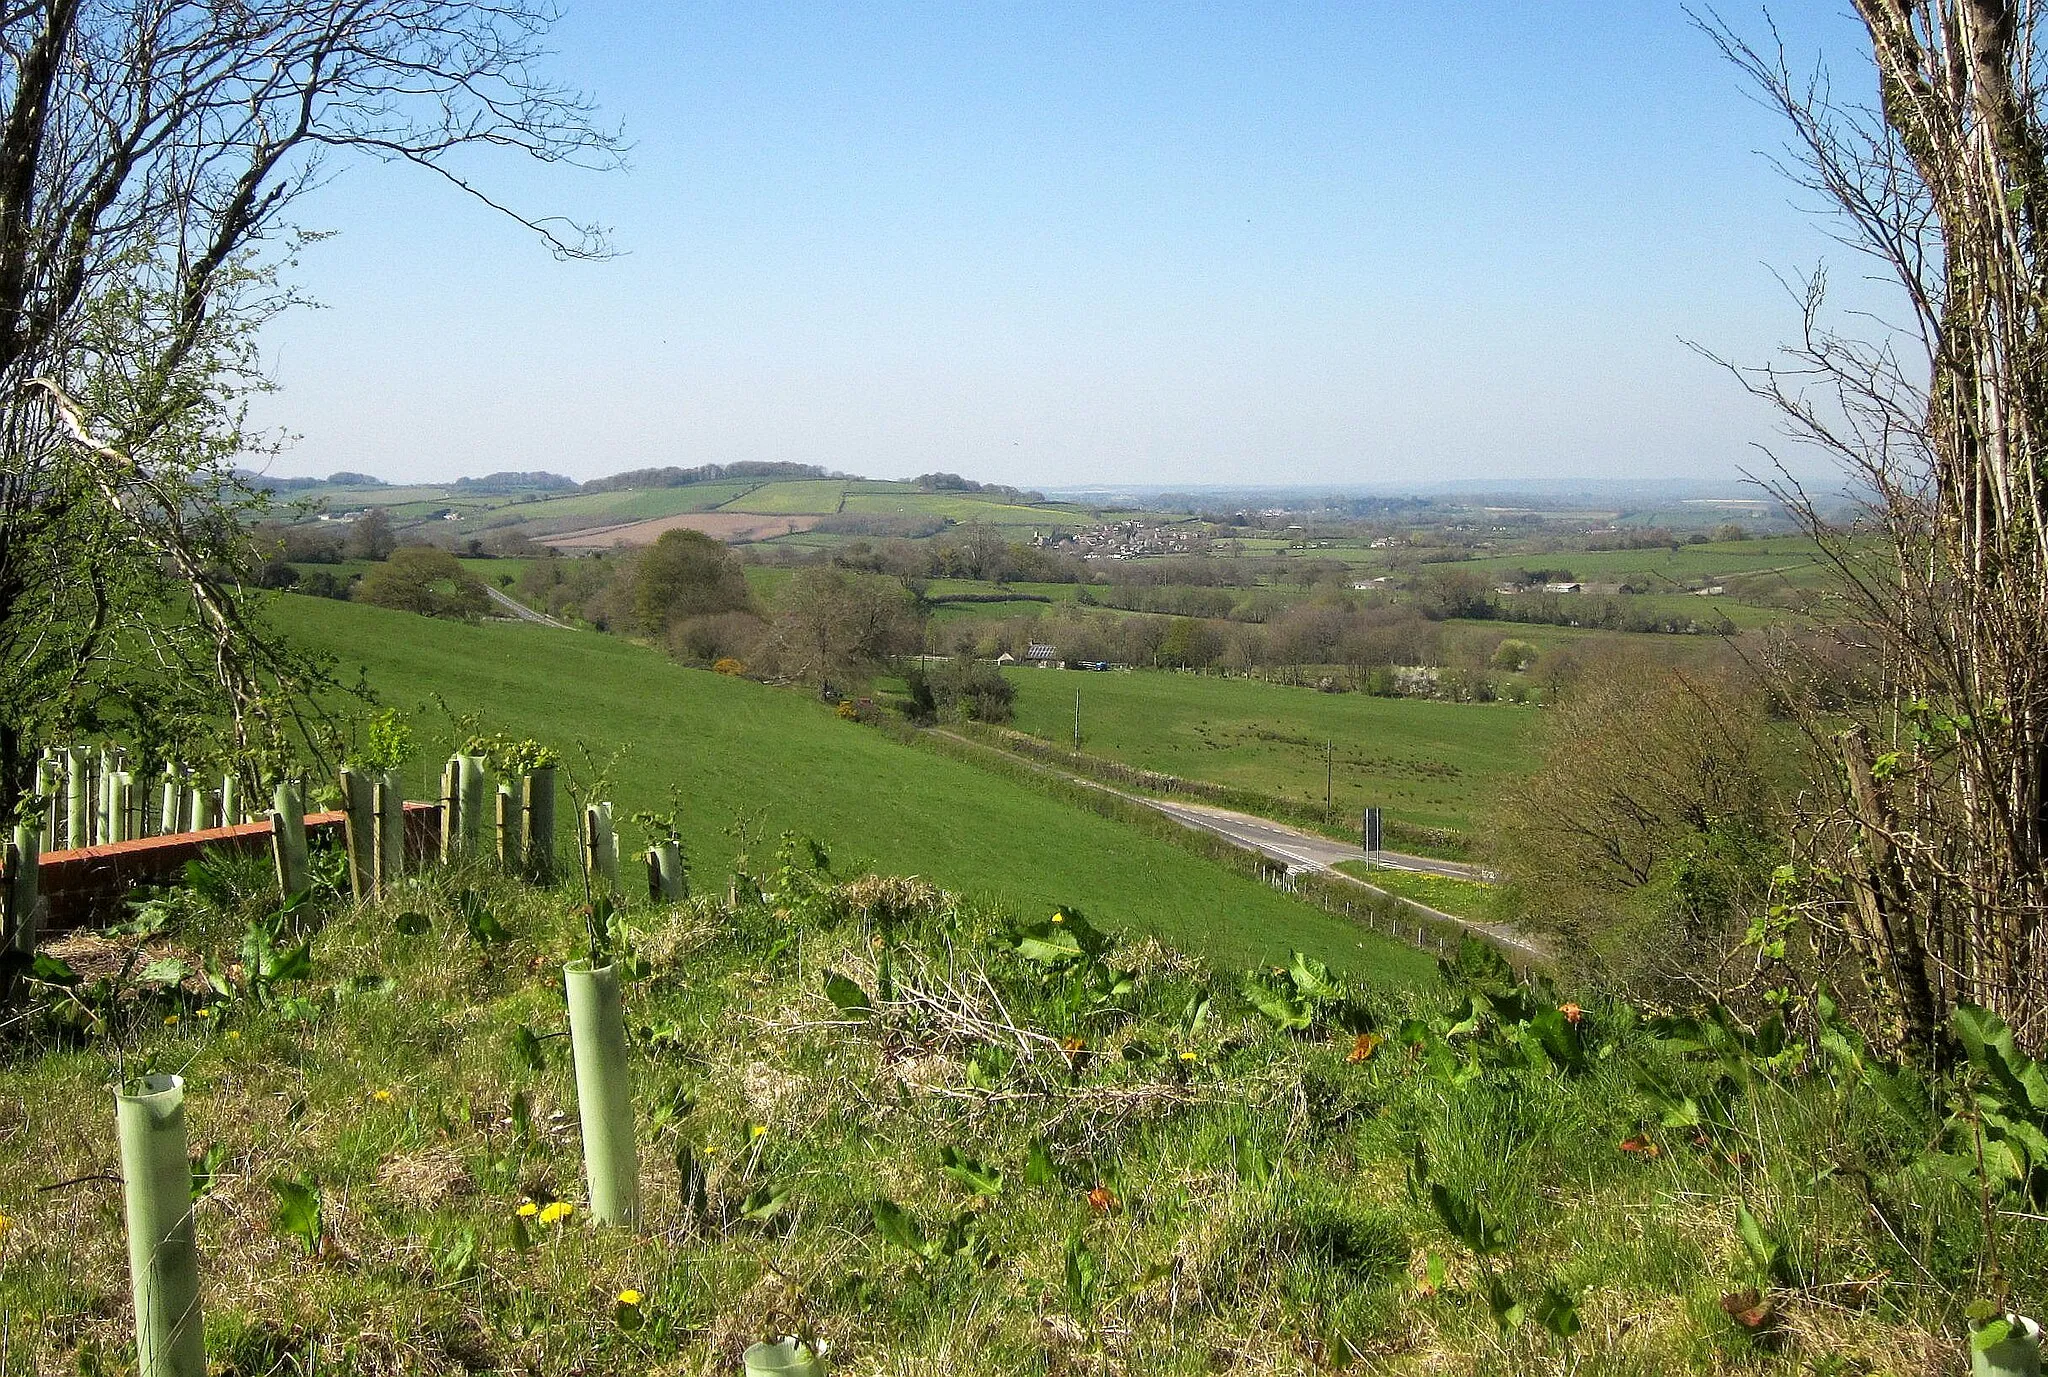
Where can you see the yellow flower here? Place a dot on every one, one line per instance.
(557, 1212)
(757, 1130)
(1188, 1056)
(629, 1297)
(528, 1210)
(5, 1225)
(234, 1035)
(170, 1019)
(382, 1097)
(203, 1013)
(1059, 917)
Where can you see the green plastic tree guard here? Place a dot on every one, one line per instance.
(24, 892)
(2018, 1354)
(359, 807)
(202, 808)
(116, 787)
(48, 772)
(103, 800)
(77, 798)
(601, 848)
(163, 1257)
(604, 1091)
(474, 813)
(538, 807)
(288, 840)
(167, 816)
(666, 880)
(230, 800)
(783, 1358)
(390, 801)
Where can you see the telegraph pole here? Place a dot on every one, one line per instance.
(1077, 719)
(1329, 773)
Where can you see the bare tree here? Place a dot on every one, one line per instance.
(1928, 862)
(150, 153)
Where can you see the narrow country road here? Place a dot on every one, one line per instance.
(1308, 849)
(522, 611)
(1299, 850)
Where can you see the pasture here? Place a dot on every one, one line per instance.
(1427, 763)
(731, 756)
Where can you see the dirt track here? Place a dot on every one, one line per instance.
(732, 527)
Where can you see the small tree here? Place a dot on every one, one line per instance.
(426, 580)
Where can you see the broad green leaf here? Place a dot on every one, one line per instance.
(847, 997)
(298, 1210)
(165, 970)
(976, 1177)
(765, 1201)
(1464, 1221)
(1311, 977)
(526, 1046)
(1038, 1165)
(1557, 1310)
(894, 1223)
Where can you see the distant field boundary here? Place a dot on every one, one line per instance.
(1439, 842)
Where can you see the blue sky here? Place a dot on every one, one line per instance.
(1065, 244)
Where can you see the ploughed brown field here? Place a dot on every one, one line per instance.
(732, 527)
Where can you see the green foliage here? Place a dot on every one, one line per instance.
(387, 743)
(298, 1213)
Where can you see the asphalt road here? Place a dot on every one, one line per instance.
(1296, 847)
(522, 611)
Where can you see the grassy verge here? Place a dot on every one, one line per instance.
(1312, 815)
(1459, 898)
(1428, 764)
(989, 1156)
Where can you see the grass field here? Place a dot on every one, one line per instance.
(636, 504)
(1431, 764)
(1793, 558)
(737, 751)
(1459, 898)
(801, 497)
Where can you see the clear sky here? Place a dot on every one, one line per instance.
(1352, 242)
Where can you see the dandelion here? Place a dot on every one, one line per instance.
(382, 1097)
(527, 1209)
(756, 1130)
(630, 1297)
(170, 1020)
(557, 1212)
(6, 1226)
(1189, 1056)
(1059, 917)
(202, 1013)
(234, 1035)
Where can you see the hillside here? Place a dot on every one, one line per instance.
(737, 753)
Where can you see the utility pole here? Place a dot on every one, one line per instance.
(1077, 719)
(1329, 773)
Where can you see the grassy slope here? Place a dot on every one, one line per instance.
(737, 750)
(1433, 764)
(1237, 1192)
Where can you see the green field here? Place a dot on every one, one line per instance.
(800, 497)
(1431, 764)
(635, 504)
(1792, 558)
(738, 752)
